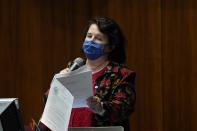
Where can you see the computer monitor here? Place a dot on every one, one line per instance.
(10, 116)
(108, 128)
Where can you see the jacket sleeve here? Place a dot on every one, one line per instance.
(122, 100)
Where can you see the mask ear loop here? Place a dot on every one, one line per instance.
(110, 48)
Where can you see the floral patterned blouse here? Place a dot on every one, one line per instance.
(116, 88)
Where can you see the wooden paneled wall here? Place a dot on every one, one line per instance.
(39, 37)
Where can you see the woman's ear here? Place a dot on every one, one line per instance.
(109, 48)
(112, 47)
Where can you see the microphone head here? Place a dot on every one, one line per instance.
(79, 61)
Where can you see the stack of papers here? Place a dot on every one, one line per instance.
(67, 91)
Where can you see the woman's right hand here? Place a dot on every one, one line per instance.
(64, 71)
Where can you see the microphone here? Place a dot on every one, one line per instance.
(78, 62)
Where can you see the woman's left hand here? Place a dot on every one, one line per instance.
(95, 104)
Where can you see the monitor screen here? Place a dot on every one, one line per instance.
(10, 115)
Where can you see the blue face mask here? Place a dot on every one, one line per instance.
(93, 50)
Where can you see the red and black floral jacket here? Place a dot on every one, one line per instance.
(116, 88)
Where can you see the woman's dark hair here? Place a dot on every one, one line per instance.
(114, 34)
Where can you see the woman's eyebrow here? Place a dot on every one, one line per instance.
(89, 33)
(97, 34)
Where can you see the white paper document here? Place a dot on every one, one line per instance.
(79, 83)
(58, 108)
(67, 91)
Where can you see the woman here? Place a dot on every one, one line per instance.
(113, 84)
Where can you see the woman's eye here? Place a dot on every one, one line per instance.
(89, 36)
(99, 39)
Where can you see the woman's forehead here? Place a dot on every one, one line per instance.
(94, 29)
